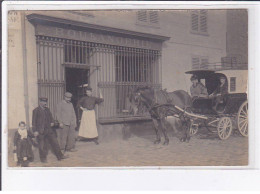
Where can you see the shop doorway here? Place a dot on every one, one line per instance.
(74, 80)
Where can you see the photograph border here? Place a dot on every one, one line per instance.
(10, 173)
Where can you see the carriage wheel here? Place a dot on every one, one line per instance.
(242, 119)
(224, 128)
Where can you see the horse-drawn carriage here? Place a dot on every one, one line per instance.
(231, 111)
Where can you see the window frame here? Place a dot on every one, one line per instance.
(199, 15)
(148, 22)
(233, 84)
(200, 58)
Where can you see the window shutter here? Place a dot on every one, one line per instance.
(204, 63)
(194, 22)
(153, 17)
(142, 16)
(232, 84)
(195, 63)
(203, 21)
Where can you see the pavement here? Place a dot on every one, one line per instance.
(204, 149)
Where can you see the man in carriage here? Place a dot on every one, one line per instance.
(219, 93)
(197, 89)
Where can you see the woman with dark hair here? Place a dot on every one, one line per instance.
(88, 127)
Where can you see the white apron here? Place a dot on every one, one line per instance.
(88, 126)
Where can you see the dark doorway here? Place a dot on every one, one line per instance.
(75, 79)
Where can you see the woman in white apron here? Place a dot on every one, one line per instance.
(88, 127)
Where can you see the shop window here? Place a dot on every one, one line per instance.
(120, 71)
(76, 53)
(199, 22)
(134, 68)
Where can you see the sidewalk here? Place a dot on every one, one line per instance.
(138, 151)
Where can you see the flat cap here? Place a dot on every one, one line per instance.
(43, 99)
(68, 95)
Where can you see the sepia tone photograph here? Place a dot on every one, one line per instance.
(128, 88)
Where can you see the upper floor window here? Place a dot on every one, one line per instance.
(199, 22)
(149, 18)
(199, 62)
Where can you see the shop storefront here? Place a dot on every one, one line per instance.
(113, 61)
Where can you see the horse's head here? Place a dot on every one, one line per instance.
(143, 94)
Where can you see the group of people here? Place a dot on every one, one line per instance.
(63, 138)
(198, 90)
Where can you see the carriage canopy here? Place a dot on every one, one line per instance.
(236, 79)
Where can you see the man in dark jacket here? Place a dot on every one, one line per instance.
(42, 122)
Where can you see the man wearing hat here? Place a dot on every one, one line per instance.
(67, 124)
(219, 93)
(88, 127)
(197, 89)
(42, 122)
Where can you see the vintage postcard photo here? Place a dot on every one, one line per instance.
(127, 88)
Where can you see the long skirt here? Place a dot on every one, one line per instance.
(88, 126)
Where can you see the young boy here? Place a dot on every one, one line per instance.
(23, 146)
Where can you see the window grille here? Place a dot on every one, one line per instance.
(77, 52)
(50, 73)
(199, 22)
(123, 69)
(232, 84)
(135, 67)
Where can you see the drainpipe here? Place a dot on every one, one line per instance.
(26, 97)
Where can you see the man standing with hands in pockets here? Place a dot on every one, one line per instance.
(67, 124)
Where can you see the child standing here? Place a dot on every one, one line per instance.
(23, 153)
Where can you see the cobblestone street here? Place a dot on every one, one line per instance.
(204, 149)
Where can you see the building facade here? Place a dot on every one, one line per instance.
(51, 52)
(237, 40)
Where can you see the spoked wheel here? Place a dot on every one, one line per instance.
(242, 119)
(224, 128)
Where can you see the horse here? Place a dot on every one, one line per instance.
(157, 104)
